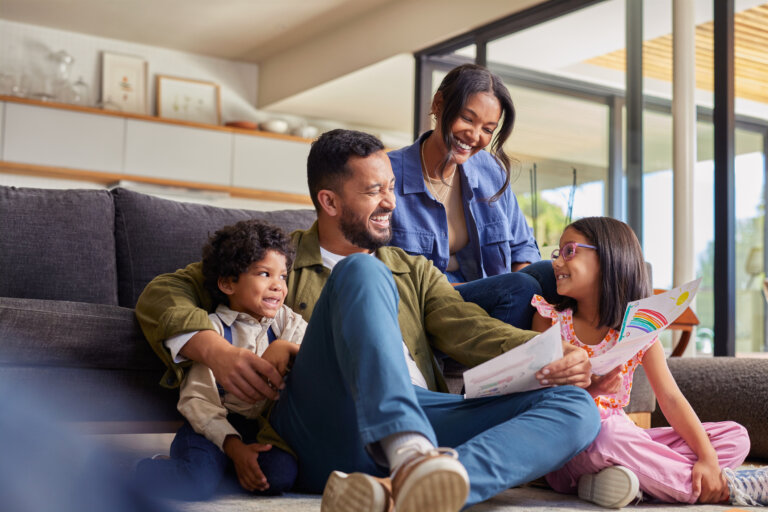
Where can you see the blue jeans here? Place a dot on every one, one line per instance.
(507, 297)
(349, 388)
(197, 466)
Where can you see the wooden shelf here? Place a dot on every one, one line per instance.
(152, 119)
(108, 178)
(109, 175)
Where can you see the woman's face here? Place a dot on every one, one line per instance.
(474, 126)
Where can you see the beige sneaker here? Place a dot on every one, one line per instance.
(612, 487)
(356, 492)
(435, 481)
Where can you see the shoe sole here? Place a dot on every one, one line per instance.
(436, 489)
(612, 487)
(356, 492)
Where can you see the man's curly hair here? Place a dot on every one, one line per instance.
(232, 249)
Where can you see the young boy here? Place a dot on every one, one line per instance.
(245, 268)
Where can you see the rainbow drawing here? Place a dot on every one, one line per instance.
(647, 320)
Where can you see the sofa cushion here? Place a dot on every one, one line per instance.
(155, 235)
(725, 388)
(57, 245)
(73, 334)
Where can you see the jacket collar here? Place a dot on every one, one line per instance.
(308, 252)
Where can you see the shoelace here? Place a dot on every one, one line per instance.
(422, 453)
(747, 487)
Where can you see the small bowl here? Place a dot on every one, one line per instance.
(307, 131)
(274, 126)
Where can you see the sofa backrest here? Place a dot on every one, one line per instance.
(154, 236)
(57, 245)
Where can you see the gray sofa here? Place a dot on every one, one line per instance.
(73, 263)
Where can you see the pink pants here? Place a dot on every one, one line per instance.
(659, 457)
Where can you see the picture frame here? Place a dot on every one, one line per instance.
(124, 83)
(190, 100)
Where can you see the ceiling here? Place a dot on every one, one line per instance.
(750, 55)
(245, 30)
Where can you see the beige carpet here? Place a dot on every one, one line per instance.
(127, 449)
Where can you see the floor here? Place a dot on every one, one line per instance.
(128, 449)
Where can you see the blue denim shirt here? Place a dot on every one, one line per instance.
(499, 235)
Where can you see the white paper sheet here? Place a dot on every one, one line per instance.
(643, 320)
(515, 371)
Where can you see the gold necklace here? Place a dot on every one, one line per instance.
(428, 180)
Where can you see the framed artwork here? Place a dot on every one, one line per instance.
(124, 83)
(188, 100)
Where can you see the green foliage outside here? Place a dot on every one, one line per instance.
(550, 221)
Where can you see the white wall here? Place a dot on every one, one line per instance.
(25, 48)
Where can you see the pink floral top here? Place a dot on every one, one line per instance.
(607, 404)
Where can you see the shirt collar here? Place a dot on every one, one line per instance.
(307, 245)
(229, 316)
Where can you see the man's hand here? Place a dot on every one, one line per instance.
(240, 371)
(246, 460)
(607, 384)
(573, 368)
(280, 354)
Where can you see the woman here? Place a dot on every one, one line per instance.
(455, 205)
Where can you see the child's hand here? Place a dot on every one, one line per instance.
(245, 457)
(280, 354)
(708, 483)
(607, 384)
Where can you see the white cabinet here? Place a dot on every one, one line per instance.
(62, 138)
(178, 152)
(2, 116)
(270, 164)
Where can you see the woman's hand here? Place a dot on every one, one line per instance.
(607, 384)
(708, 482)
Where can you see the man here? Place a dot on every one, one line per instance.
(364, 392)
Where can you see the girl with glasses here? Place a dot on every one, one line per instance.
(599, 268)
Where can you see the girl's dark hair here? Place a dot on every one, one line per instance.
(458, 85)
(623, 274)
(232, 249)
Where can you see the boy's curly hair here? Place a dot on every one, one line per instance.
(232, 249)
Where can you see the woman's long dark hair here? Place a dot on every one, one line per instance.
(623, 274)
(458, 85)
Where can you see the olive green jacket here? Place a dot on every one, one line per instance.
(431, 313)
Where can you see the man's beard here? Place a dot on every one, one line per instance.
(356, 231)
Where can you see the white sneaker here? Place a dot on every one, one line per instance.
(748, 487)
(612, 487)
(356, 492)
(433, 481)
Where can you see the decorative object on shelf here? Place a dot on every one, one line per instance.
(81, 93)
(274, 126)
(188, 100)
(124, 83)
(306, 131)
(243, 125)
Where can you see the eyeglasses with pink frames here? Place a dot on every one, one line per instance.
(568, 251)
